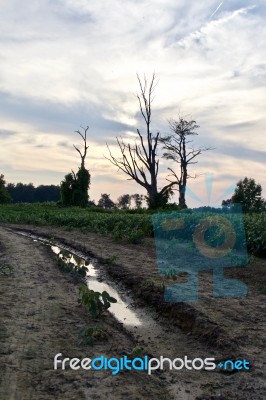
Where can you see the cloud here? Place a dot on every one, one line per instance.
(242, 152)
(210, 26)
(73, 62)
(56, 117)
(5, 133)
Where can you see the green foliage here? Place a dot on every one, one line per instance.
(67, 188)
(4, 195)
(106, 202)
(80, 198)
(248, 194)
(138, 351)
(255, 226)
(6, 269)
(123, 201)
(138, 199)
(158, 200)
(111, 260)
(96, 302)
(74, 188)
(90, 335)
(171, 273)
(22, 192)
(131, 225)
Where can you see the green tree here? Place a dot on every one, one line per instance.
(80, 195)
(248, 194)
(67, 189)
(4, 195)
(123, 201)
(138, 199)
(106, 202)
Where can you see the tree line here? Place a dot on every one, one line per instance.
(28, 193)
(248, 193)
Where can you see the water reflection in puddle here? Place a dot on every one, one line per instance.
(120, 309)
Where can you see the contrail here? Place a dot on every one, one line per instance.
(220, 5)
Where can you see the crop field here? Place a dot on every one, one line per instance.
(131, 226)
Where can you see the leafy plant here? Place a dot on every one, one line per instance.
(6, 269)
(157, 282)
(51, 241)
(90, 335)
(131, 225)
(138, 351)
(171, 273)
(111, 260)
(96, 302)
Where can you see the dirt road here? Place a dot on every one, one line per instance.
(40, 317)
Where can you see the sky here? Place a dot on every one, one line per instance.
(71, 63)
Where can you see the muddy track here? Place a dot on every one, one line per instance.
(40, 317)
(183, 315)
(120, 261)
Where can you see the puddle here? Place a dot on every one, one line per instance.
(142, 323)
(139, 321)
(96, 282)
(120, 309)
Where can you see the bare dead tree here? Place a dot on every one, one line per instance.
(84, 138)
(139, 161)
(175, 146)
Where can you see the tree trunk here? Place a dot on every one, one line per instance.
(182, 196)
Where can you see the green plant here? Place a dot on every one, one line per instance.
(171, 273)
(136, 236)
(110, 260)
(157, 282)
(51, 241)
(4, 194)
(6, 269)
(248, 193)
(138, 351)
(131, 225)
(96, 302)
(90, 335)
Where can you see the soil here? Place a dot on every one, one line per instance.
(40, 317)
